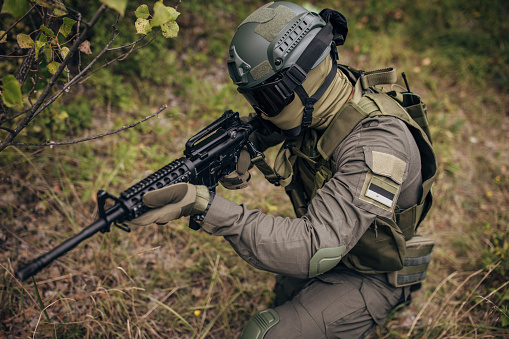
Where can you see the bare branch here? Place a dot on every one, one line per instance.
(80, 75)
(23, 70)
(120, 57)
(6, 118)
(128, 45)
(7, 129)
(78, 33)
(14, 25)
(35, 110)
(34, 82)
(25, 157)
(90, 138)
(14, 56)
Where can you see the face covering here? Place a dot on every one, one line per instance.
(335, 96)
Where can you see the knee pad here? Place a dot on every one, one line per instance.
(260, 324)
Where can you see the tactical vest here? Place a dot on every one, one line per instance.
(383, 247)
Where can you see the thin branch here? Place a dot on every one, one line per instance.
(128, 45)
(34, 82)
(14, 56)
(25, 158)
(7, 129)
(14, 25)
(89, 138)
(120, 57)
(80, 75)
(35, 109)
(78, 33)
(6, 118)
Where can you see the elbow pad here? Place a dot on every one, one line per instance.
(325, 259)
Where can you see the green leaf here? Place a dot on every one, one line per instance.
(66, 27)
(15, 7)
(63, 115)
(52, 67)
(64, 52)
(142, 12)
(24, 41)
(56, 5)
(505, 320)
(117, 5)
(170, 30)
(40, 44)
(47, 31)
(163, 14)
(60, 11)
(142, 26)
(48, 53)
(11, 94)
(4, 39)
(173, 13)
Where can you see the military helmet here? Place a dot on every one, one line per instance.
(270, 39)
(273, 50)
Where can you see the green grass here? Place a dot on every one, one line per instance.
(177, 283)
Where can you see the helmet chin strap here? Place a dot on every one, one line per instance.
(297, 74)
(309, 102)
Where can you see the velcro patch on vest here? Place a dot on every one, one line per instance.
(382, 184)
(381, 191)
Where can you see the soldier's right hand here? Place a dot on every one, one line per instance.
(239, 178)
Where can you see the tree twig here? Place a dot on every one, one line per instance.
(7, 129)
(25, 157)
(120, 57)
(128, 45)
(14, 25)
(35, 110)
(78, 76)
(14, 56)
(89, 138)
(6, 118)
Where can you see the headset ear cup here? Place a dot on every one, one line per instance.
(339, 24)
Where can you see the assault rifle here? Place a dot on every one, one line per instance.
(208, 156)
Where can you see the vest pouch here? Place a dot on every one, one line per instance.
(407, 220)
(418, 256)
(381, 249)
(296, 194)
(415, 108)
(418, 113)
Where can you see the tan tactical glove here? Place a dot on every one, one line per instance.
(238, 179)
(173, 202)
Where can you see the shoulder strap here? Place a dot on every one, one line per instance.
(378, 77)
(340, 127)
(370, 78)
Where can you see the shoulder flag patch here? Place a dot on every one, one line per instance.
(381, 191)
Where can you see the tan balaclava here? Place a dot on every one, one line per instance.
(335, 96)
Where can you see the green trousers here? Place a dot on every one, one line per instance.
(338, 304)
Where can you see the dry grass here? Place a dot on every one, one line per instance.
(171, 282)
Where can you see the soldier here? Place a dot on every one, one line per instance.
(356, 166)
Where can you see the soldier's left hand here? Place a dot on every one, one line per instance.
(173, 202)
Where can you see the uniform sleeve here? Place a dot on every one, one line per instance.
(338, 215)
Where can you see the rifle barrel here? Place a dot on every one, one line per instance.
(112, 214)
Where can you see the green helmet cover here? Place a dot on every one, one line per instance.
(271, 39)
